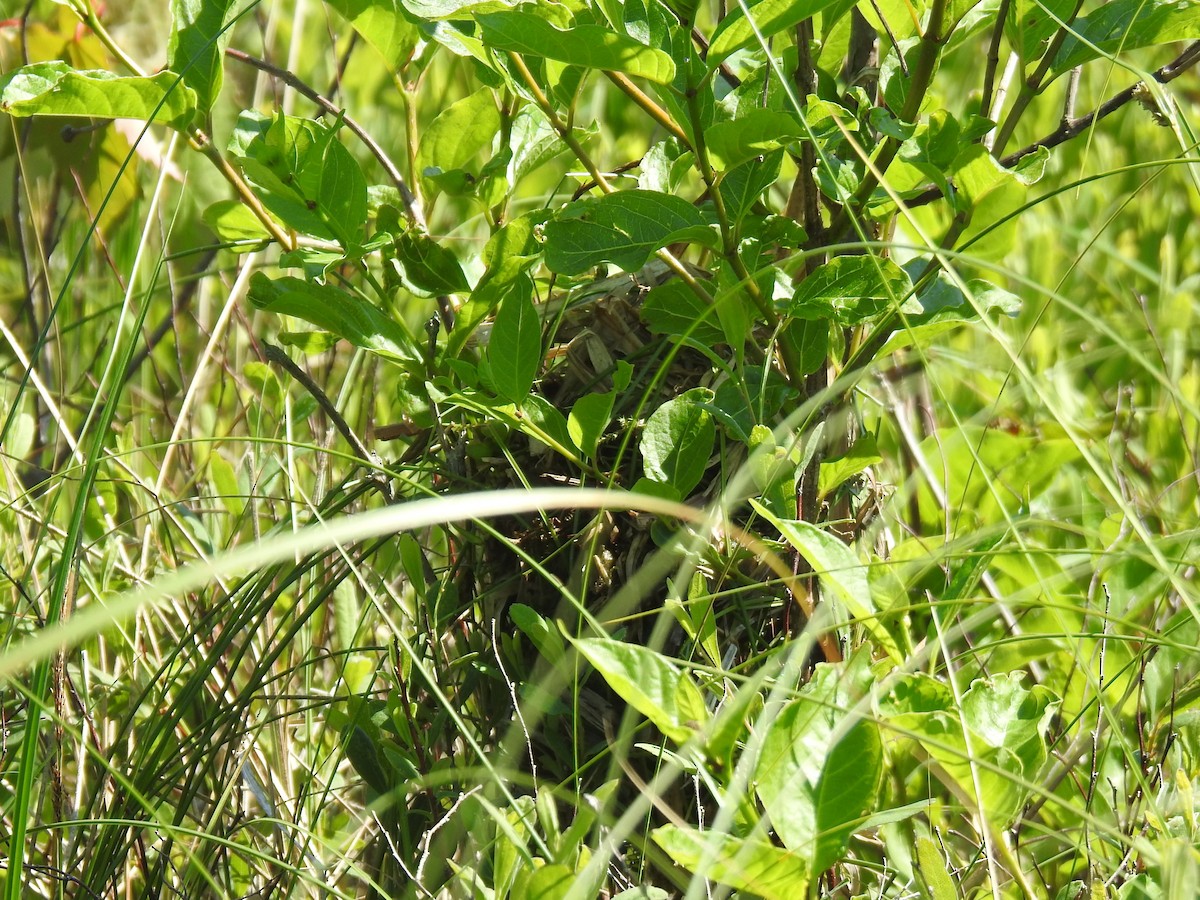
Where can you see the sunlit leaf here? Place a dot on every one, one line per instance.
(515, 347)
(650, 683)
(196, 46)
(766, 18)
(755, 866)
(55, 89)
(591, 46)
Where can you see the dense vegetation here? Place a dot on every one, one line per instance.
(570, 450)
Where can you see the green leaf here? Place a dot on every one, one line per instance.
(836, 471)
(624, 228)
(850, 290)
(539, 630)
(200, 33)
(429, 266)
(550, 882)
(342, 196)
(677, 442)
(458, 134)
(675, 310)
(590, 46)
(991, 193)
(650, 683)
(231, 220)
(515, 347)
(818, 773)
(383, 25)
(588, 419)
(346, 315)
(1128, 25)
(932, 867)
(758, 132)
(311, 186)
(55, 89)
(839, 570)
(767, 18)
(1002, 725)
(744, 864)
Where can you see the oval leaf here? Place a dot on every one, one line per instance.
(591, 46)
(332, 310)
(622, 228)
(55, 89)
(650, 683)
(515, 347)
(676, 444)
(767, 17)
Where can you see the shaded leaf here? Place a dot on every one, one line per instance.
(330, 309)
(56, 89)
(515, 347)
(850, 290)
(429, 266)
(675, 310)
(624, 228)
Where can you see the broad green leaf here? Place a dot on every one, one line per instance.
(677, 442)
(986, 467)
(818, 775)
(1030, 25)
(742, 185)
(229, 491)
(588, 419)
(650, 683)
(383, 25)
(850, 290)
(991, 193)
(675, 310)
(839, 570)
(1002, 725)
(346, 315)
(429, 266)
(200, 33)
(836, 471)
(342, 196)
(590, 46)
(515, 347)
(761, 131)
(459, 133)
(286, 159)
(767, 18)
(539, 630)
(932, 867)
(549, 882)
(754, 866)
(1124, 25)
(624, 228)
(55, 89)
(231, 220)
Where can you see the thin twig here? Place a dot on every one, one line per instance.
(278, 357)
